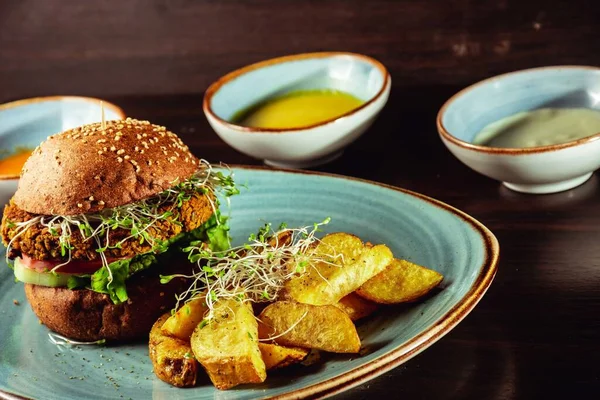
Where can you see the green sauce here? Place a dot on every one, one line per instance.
(542, 127)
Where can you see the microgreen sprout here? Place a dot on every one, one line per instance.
(60, 340)
(255, 271)
(138, 218)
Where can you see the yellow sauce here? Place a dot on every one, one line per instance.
(12, 165)
(298, 109)
(542, 127)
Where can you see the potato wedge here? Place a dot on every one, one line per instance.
(227, 346)
(184, 321)
(356, 307)
(401, 281)
(303, 325)
(276, 356)
(349, 263)
(172, 358)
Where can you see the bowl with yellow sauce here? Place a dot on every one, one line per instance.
(24, 124)
(298, 111)
(535, 130)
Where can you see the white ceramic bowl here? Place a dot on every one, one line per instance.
(26, 123)
(544, 169)
(359, 75)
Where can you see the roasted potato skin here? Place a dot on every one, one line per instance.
(171, 357)
(183, 322)
(401, 282)
(227, 346)
(349, 264)
(276, 356)
(313, 327)
(356, 307)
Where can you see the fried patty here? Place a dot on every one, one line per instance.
(38, 243)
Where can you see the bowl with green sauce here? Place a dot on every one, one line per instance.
(535, 130)
(298, 111)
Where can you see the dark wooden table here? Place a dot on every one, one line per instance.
(536, 333)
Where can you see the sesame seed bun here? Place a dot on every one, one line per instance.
(89, 168)
(86, 315)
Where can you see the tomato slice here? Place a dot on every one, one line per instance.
(73, 267)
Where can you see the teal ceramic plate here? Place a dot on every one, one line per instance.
(415, 227)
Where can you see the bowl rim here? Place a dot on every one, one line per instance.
(40, 99)
(216, 86)
(445, 134)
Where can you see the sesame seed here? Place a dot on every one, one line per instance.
(79, 205)
(91, 198)
(139, 136)
(117, 138)
(97, 177)
(100, 152)
(120, 151)
(126, 157)
(113, 148)
(101, 203)
(119, 159)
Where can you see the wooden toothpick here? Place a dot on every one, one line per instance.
(103, 120)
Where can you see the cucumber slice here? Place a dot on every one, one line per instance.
(28, 275)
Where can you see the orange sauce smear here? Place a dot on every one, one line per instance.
(12, 165)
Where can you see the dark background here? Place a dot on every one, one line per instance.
(135, 47)
(536, 333)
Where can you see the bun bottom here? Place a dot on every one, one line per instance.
(85, 315)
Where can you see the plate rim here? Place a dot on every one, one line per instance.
(363, 373)
(397, 356)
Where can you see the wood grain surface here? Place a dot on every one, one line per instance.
(114, 47)
(536, 333)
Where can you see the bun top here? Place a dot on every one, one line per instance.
(88, 168)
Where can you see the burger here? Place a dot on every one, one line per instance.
(100, 213)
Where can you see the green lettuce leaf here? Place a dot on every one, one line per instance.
(214, 232)
(101, 281)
